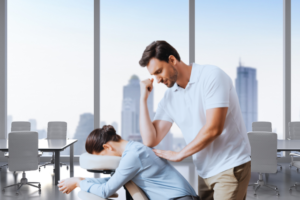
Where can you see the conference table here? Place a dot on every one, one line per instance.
(52, 145)
(288, 145)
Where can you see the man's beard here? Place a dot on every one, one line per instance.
(173, 78)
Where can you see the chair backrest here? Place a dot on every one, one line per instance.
(263, 151)
(57, 130)
(294, 130)
(20, 126)
(23, 150)
(262, 126)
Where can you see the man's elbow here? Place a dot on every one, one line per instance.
(149, 144)
(216, 132)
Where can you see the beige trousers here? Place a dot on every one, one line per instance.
(231, 184)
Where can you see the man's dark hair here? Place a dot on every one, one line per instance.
(100, 136)
(158, 49)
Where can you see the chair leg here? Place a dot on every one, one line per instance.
(258, 186)
(17, 192)
(34, 185)
(294, 186)
(10, 186)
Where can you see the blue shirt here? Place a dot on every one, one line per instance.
(154, 175)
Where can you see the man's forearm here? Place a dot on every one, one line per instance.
(147, 129)
(205, 136)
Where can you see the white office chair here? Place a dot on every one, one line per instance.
(265, 126)
(56, 130)
(294, 134)
(107, 165)
(23, 155)
(263, 156)
(20, 126)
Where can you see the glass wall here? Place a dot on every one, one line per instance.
(127, 27)
(244, 38)
(50, 65)
(295, 60)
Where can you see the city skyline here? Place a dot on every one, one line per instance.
(55, 62)
(246, 88)
(131, 109)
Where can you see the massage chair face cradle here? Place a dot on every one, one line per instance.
(107, 165)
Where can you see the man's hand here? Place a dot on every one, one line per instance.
(146, 88)
(68, 185)
(169, 155)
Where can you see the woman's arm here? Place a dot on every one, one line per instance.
(128, 168)
(105, 187)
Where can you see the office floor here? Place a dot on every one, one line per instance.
(283, 180)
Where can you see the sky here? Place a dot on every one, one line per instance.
(50, 52)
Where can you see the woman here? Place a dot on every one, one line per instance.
(154, 175)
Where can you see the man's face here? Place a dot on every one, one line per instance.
(164, 72)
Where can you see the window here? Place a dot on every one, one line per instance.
(244, 38)
(50, 65)
(295, 60)
(127, 27)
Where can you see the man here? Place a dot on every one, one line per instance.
(202, 101)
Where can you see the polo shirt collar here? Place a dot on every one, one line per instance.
(193, 78)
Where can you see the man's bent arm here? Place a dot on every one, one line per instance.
(151, 132)
(215, 120)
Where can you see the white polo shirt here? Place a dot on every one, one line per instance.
(209, 87)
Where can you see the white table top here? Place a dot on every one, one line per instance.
(44, 144)
(288, 145)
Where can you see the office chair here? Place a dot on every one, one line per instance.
(263, 156)
(265, 126)
(19, 126)
(56, 130)
(294, 134)
(23, 155)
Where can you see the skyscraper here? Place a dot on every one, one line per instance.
(131, 108)
(85, 126)
(246, 88)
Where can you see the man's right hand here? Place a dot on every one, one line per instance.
(146, 88)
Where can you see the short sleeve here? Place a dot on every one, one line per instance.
(161, 114)
(217, 88)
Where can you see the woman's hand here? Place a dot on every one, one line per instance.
(68, 185)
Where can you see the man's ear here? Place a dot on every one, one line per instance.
(172, 60)
(107, 147)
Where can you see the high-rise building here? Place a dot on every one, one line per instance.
(33, 127)
(85, 126)
(116, 127)
(9, 121)
(246, 88)
(131, 108)
(102, 123)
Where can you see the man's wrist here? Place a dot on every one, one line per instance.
(181, 155)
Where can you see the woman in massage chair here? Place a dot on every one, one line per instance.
(155, 176)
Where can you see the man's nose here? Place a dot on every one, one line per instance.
(158, 79)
